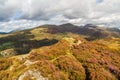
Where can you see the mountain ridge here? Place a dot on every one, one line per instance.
(26, 38)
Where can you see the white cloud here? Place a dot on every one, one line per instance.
(60, 11)
(18, 24)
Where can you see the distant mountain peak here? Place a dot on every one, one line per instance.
(90, 25)
(67, 24)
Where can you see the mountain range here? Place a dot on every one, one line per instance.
(61, 52)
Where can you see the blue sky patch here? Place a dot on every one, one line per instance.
(17, 15)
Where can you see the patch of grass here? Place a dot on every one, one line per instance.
(7, 45)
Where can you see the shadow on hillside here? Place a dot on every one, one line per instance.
(17, 37)
(25, 46)
(91, 31)
(22, 43)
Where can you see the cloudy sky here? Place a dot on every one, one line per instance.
(20, 14)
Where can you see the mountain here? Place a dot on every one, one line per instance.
(61, 52)
(3, 33)
(25, 40)
(92, 31)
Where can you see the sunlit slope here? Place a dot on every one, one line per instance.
(71, 58)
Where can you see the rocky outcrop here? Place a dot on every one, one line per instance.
(32, 75)
(8, 52)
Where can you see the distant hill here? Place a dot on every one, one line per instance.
(88, 29)
(93, 31)
(25, 40)
(3, 33)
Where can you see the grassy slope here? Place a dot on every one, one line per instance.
(68, 59)
(61, 59)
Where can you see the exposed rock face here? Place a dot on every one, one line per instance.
(28, 62)
(8, 52)
(32, 75)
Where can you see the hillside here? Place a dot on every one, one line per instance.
(61, 52)
(24, 41)
(69, 59)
